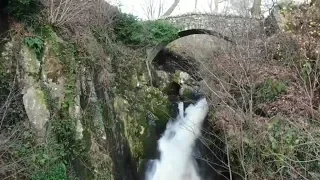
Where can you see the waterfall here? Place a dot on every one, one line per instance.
(177, 144)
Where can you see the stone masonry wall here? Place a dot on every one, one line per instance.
(231, 26)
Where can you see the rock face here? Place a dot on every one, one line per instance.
(109, 129)
(34, 98)
(36, 109)
(106, 127)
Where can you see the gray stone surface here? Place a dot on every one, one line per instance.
(36, 109)
(231, 26)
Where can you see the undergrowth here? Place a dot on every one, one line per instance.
(57, 172)
(26, 11)
(35, 43)
(132, 31)
(270, 90)
(286, 148)
(55, 156)
(283, 142)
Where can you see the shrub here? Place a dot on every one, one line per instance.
(286, 149)
(161, 31)
(24, 10)
(79, 15)
(57, 172)
(62, 11)
(270, 90)
(35, 43)
(131, 31)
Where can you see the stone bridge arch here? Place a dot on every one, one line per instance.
(235, 29)
(227, 25)
(231, 29)
(155, 51)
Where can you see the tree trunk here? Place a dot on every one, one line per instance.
(210, 6)
(256, 9)
(216, 6)
(160, 8)
(195, 5)
(171, 9)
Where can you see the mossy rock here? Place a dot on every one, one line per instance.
(144, 113)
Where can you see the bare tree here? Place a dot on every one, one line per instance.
(154, 9)
(214, 3)
(63, 11)
(256, 9)
(210, 3)
(160, 8)
(195, 5)
(171, 9)
(241, 7)
(151, 9)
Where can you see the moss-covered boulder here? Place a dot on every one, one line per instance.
(144, 113)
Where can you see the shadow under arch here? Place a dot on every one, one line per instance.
(154, 52)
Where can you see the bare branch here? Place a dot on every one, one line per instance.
(256, 8)
(171, 9)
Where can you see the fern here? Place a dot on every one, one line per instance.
(35, 43)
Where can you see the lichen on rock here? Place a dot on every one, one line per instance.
(36, 109)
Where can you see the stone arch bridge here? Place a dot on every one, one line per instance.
(234, 29)
(230, 26)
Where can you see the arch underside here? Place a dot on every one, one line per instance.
(161, 54)
(154, 52)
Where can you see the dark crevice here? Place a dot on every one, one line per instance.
(4, 24)
(173, 92)
(124, 167)
(171, 61)
(260, 112)
(3, 5)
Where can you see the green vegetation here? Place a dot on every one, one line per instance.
(24, 10)
(35, 43)
(270, 90)
(131, 31)
(62, 151)
(40, 161)
(64, 125)
(58, 172)
(144, 110)
(283, 149)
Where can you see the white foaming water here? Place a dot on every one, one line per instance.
(177, 144)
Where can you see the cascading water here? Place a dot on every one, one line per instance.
(177, 144)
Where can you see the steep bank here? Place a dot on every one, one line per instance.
(77, 103)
